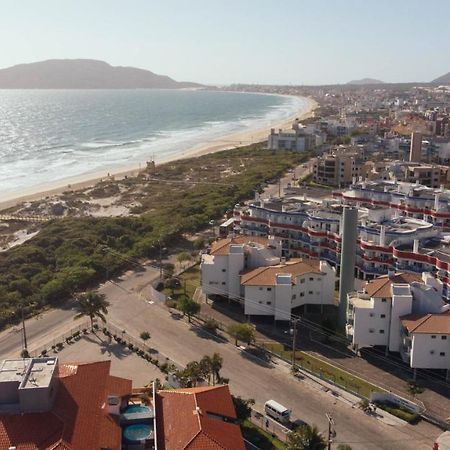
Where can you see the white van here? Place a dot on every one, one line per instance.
(277, 411)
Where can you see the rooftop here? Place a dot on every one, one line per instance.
(427, 323)
(381, 287)
(197, 419)
(267, 276)
(222, 246)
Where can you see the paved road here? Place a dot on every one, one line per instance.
(249, 376)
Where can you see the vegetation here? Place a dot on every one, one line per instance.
(306, 437)
(243, 408)
(73, 254)
(188, 282)
(260, 438)
(145, 335)
(242, 332)
(207, 369)
(188, 307)
(344, 447)
(325, 370)
(92, 305)
(399, 411)
(414, 388)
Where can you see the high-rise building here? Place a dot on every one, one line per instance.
(415, 152)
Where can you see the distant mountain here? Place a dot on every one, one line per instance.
(363, 81)
(444, 79)
(84, 74)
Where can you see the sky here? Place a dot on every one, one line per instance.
(237, 41)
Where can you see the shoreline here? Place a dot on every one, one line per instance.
(89, 180)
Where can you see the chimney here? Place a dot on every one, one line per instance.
(416, 246)
(348, 258)
(391, 274)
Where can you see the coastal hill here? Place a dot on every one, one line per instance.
(364, 81)
(444, 79)
(84, 74)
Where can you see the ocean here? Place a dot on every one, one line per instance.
(47, 136)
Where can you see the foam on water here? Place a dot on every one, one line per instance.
(48, 136)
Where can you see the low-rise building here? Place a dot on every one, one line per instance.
(196, 419)
(378, 314)
(228, 257)
(425, 340)
(46, 405)
(276, 290)
(296, 139)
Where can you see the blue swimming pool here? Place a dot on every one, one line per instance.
(137, 432)
(136, 409)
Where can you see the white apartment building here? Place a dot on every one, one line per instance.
(296, 139)
(375, 315)
(221, 268)
(276, 290)
(425, 340)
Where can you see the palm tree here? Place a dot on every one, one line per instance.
(92, 305)
(306, 437)
(216, 366)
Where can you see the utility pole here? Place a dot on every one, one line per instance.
(279, 188)
(160, 261)
(25, 344)
(294, 340)
(331, 432)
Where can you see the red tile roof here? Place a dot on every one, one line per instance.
(427, 323)
(79, 419)
(380, 287)
(193, 419)
(222, 246)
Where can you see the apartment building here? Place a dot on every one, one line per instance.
(339, 168)
(276, 290)
(296, 140)
(376, 314)
(312, 229)
(425, 340)
(220, 269)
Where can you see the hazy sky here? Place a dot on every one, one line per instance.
(227, 41)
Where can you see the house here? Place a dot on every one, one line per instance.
(228, 257)
(426, 340)
(197, 419)
(375, 314)
(47, 405)
(276, 290)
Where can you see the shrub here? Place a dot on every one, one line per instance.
(399, 411)
(59, 345)
(171, 303)
(84, 330)
(145, 335)
(130, 346)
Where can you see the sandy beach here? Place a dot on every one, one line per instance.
(88, 180)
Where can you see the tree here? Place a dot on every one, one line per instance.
(188, 307)
(199, 243)
(243, 408)
(344, 447)
(211, 366)
(92, 304)
(306, 437)
(145, 335)
(242, 332)
(168, 270)
(190, 375)
(183, 256)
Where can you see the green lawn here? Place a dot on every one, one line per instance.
(190, 278)
(257, 436)
(326, 371)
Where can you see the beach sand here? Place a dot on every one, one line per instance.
(88, 180)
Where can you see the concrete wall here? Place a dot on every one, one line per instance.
(426, 351)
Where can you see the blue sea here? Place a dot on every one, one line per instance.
(47, 136)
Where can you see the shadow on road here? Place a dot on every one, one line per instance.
(200, 332)
(258, 356)
(108, 346)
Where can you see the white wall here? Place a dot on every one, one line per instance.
(423, 345)
(259, 300)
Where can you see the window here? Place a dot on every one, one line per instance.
(431, 352)
(310, 292)
(442, 354)
(302, 280)
(443, 338)
(224, 270)
(311, 279)
(269, 289)
(294, 297)
(302, 294)
(383, 300)
(381, 331)
(223, 283)
(382, 316)
(269, 303)
(433, 336)
(371, 314)
(371, 330)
